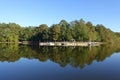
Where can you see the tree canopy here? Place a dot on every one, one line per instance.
(79, 30)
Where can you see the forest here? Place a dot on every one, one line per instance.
(79, 30)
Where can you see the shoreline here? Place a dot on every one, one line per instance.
(56, 43)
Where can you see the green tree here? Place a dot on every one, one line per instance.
(63, 27)
(92, 34)
(55, 31)
(44, 32)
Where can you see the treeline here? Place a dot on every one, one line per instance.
(77, 30)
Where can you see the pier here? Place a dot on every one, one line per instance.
(69, 43)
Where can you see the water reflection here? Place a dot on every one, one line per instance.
(74, 56)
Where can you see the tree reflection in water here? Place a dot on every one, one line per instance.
(75, 56)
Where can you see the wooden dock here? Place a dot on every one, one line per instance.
(69, 43)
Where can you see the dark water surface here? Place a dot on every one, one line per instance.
(59, 63)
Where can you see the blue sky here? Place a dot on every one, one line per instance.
(36, 12)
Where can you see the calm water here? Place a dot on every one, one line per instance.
(59, 63)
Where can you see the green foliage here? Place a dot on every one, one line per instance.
(79, 30)
(9, 32)
(55, 31)
(92, 34)
(106, 35)
(63, 28)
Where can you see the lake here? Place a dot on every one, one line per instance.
(22, 62)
